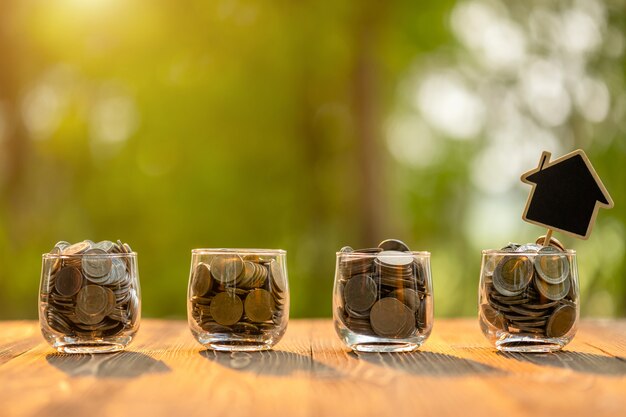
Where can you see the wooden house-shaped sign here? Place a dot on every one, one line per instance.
(567, 194)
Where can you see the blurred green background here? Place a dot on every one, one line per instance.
(306, 126)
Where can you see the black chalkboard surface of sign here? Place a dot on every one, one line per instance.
(566, 195)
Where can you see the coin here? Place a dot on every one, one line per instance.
(511, 247)
(490, 263)
(552, 265)
(492, 316)
(105, 245)
(528, 247)
(53, 262)
(226, 268)
(360, 293)
(89, 319)
(77, 248)
(201, 281)
(95, 300)
(361, 326)
(353, 264)
(117, 274)
(408, 296)
(58, 322)
(391, 318)
(357, 314)
(393, 245)
(394, 258)
(68, 281)
(552, 292)
(542, 306)
(512, 300)
(278, 281)
(253, 275)
(553, 242)
(226, 309)
(561, 321)
(424, 316)
(527, 312)
(61, 245)
(96, 263)
(259, 305)
(512, 275)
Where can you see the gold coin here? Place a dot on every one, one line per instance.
(201, 280)
(77, 248)
(259, 305)
(278, 279)
(512, 275)
(561, 321)
(552, 292)
(226, 308)
(226, 268)
(552, 265)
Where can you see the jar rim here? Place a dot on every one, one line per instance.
(534, 253)
(421, 254)
(87, 255)
(251, 251)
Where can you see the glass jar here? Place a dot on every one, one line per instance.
(529, 298)
(383, 300)
(89, 297)
(238, 299)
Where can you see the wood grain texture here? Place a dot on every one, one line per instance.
(310, 373)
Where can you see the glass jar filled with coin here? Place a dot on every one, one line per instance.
(89, 296)
(529, 297)
(238, 299)
(383, 298)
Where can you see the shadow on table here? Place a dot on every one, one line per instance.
(107, 365)
(427, 363)
(576, 361)
(270, 362)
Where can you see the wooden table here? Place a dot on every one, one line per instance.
(166, 373)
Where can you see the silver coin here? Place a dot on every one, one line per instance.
(529, 247)
(117, 273)
(394, 245)
(552, 265)
(96, 263)
(62, 245)
(394, 258)
(105, 245)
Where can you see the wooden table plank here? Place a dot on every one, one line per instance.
(310, 373)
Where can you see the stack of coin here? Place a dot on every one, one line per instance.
(90, 289)
(529, 289)
(238, 295)
(383, 291)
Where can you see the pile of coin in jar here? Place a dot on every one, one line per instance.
(90, 289)
(529, 289)
(241, 295)
(383, 291)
